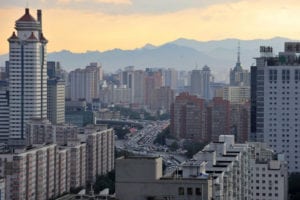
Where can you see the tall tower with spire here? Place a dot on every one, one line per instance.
(28, 75)
(239, 76)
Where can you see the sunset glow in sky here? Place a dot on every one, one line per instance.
(81, 25)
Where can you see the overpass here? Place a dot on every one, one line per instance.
(113, 122)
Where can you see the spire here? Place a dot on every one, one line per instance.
(238, 66)
(239, 53)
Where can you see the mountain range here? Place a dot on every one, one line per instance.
(181, 54)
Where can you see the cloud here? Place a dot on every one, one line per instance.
(85, 29)
(123, 7)
(95, 1)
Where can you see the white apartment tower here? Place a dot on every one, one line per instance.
(84, 83)
(275, 95)
(28, 74)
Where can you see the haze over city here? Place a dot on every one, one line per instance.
(149, 100)
(81, 25)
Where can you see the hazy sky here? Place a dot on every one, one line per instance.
(80, 25)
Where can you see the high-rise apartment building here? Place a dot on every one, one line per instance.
(153, 80)
(4, 111)
(200, 80)
(35, 173)
(188, 119)
(56, 101)
(218, 118)
(99, 151)
(84, 83)
(127, 78)
(139, 87)
(275, 102)
(240, 121)
(162, 99)
(27, 74)
(170, 77)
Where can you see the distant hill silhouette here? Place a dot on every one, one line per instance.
(182, 54)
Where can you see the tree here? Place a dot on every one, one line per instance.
(294, 186)
(105, 181)
(192, 147)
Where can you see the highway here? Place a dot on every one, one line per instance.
(141, 143)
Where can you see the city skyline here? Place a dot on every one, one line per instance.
(128, 24)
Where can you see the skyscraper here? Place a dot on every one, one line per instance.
(275, 104)
(239, 76)
(28, 74)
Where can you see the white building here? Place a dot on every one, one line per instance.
(84, 83)
(236, 94)
(222, 170)
(275, 95)
(27, 74)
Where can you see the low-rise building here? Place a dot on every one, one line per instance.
(222, 170)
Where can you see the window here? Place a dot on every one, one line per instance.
(198, 191)
(181, 191)
(190, 191)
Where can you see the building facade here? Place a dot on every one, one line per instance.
(275, 102)
(56, 101)
(222, 170)
(32, 173)
(28, 74)
(4, 111)
(188, 118)
(200, 81)
(85, 83)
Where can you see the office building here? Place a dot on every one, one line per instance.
(238, 75)
(275, 102)
(27, 75)
(56, 101)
